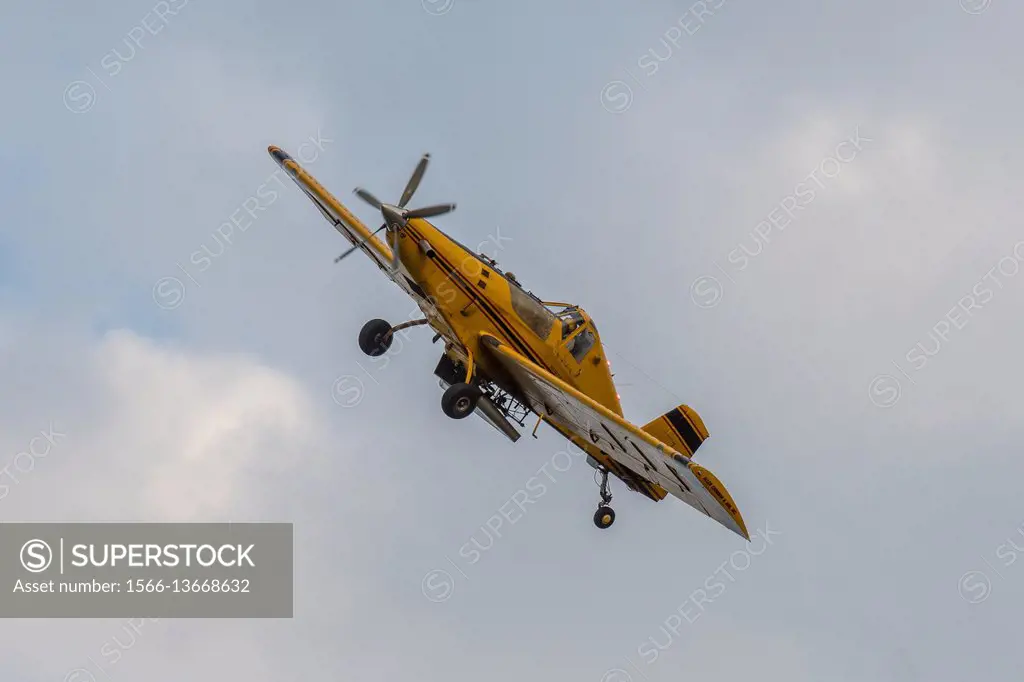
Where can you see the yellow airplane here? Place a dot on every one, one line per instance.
(507, 353)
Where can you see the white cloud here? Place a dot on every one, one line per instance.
(204, 424)
(163, 433)
(154, 431)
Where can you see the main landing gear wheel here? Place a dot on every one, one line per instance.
(375, 337)
(459, 400)
(605, 515)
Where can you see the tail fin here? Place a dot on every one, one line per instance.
(680, 428)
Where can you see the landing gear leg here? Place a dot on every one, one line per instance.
(406, 325)
(605, 515)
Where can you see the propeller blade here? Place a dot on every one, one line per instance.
(414, 181)
(338, 259)
(367, 197)
(394, 250)
(357, 246)
(430, 211)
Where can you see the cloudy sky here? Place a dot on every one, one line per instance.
(800, 218)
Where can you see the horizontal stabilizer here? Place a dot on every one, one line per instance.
(681, 428)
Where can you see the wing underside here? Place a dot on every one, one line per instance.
(620, 440)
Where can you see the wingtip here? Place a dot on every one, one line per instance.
(278, 154)
(724, 499)
(741, 525)
(737, 525)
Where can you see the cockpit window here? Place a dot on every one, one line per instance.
(581, 344)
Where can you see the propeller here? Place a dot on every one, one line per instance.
(395, 217)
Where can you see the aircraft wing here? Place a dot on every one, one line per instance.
(625, 443)
(343, 220)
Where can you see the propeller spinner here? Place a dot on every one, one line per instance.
(395, 216)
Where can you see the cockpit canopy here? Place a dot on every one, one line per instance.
(578, 331)
(572, 318)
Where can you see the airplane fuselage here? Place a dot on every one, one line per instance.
(465, 296)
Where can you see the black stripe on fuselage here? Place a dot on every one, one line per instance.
(484, 304)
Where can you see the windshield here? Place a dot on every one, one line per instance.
(538, 318)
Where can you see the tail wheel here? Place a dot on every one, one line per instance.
(604, 517)
(375, 337)
(459, 400)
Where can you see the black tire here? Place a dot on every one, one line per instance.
(459, 400)
(604, 517)
(374, 339)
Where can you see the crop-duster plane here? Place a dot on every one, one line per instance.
(508, 354)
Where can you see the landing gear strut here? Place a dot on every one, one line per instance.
(605, 515)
